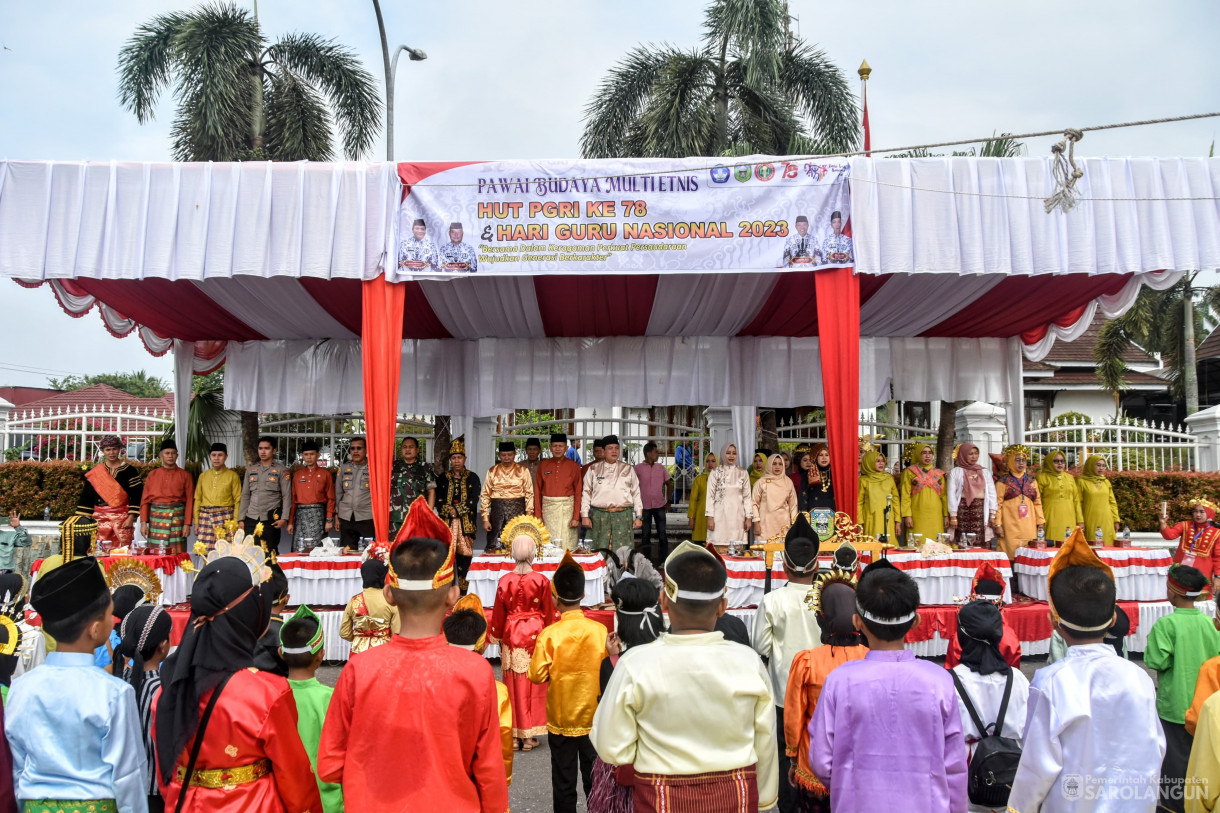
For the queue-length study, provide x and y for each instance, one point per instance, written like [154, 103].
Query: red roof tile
[1081, 350]
[101, 396]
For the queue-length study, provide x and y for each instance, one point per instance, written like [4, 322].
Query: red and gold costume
[368, 620]
[112, 497]
[523, 607]
[1010, 644]
[1197, 546]
[254, 768]
[441, 702]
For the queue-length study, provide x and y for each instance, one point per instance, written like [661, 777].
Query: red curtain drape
[381, 352]
[838, 303]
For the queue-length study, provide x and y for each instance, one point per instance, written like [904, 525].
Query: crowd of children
[825, 710]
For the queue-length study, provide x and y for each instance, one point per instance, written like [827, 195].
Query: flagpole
[864, 72]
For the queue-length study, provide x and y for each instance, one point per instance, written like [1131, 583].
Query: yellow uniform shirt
[569, 654]
[217, 489]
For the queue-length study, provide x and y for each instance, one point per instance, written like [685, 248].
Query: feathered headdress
[525, 525]
[251, 554]
[133, 571]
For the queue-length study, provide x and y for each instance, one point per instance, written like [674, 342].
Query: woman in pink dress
[523, 607]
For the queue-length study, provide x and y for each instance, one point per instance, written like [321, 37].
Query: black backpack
[994, 764]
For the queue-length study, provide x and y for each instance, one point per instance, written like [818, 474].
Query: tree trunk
[1190, 377]
[249, 437]
[769, 436]
[442, 437]
[946, 433]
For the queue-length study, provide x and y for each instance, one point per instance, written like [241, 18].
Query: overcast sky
[510, 80]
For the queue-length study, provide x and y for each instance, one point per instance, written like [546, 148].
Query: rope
[855, 153]
[1066, 173]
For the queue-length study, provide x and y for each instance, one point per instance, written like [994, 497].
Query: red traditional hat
[422, 522]
[987, 571]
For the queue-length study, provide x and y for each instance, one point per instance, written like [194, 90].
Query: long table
[322, 580]
[941, 579]
[1139, 573]
[175, 582]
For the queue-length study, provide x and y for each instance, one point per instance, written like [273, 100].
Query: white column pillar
[1205, 425]
[481, 454]
[1016, 390]
[983, 425]
[184, 374]
[6, 409]
[719, 427]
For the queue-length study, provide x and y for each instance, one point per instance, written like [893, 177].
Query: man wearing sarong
[112, 493]
[353, 498]
[167, 505]
[313, 498]
[266, 495]
[507, 492]
[217, 496]
[557, 493]
[611, 505]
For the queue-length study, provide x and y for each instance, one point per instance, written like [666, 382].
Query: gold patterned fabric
[70, 806]
[214, 778]
[569, 655]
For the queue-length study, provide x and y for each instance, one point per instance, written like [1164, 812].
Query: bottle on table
[1041, 543]
[1126, 536]
[1099, 538]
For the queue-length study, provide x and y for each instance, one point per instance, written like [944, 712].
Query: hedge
[1139, 494]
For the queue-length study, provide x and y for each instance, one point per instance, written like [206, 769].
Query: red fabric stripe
[1022, 304]
[838, 309]
[342, 300]
[175, 310]
[791, 309]
[412, 173]
[595, 305]
[381, 354]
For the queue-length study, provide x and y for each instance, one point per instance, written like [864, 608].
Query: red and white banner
[640, 216]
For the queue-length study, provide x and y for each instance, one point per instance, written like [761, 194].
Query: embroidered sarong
[309, 523]
[69, 806]
[110, 525]
[557, 515]
[971, 520]
[165, 521]
[211, 518]
[733, 791]
[501, 511]
[612, 529]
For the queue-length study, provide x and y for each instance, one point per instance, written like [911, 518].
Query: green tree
[749, 87]
[138, 383]
[206, 416]
[1170, 323]
[240, 97]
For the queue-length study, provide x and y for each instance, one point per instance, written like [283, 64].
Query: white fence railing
[1126, 444]
[333, 433]
[73, 434]
[890, 438]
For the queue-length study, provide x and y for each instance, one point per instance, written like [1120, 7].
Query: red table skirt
[1029, 620]
[167, 564]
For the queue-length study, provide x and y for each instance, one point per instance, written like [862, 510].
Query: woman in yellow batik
[925, 494]
[697, 510]
[1060, 497]
[1097, 501]
[876, 485]
[774, 501]
[1020, 514]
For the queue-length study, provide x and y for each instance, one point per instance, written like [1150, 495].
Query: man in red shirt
[557, 492]
[313, 498]
[167, 504]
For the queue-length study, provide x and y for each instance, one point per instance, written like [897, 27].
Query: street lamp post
[391, 66]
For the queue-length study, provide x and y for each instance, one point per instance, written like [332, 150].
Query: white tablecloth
[322, 580]
[175, 587]
[1139, 573]
[485, 573]
[941, 579]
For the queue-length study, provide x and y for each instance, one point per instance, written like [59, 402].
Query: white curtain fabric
[985, 216]
[707, 304]
[499, 307]
[114, 220]
[492, 376]
[277, 306]
[184, 373]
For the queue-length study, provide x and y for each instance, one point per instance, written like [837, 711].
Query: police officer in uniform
[456, 256]
[266, 495]
[837, 248]
[418, 253]
[800, 249]
[353, 499]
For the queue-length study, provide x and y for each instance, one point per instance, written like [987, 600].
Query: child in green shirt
[1178, 644]
[302, 646]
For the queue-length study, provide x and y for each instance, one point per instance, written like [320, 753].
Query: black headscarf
[979, 630]
[143, 629]
[1116, 634]
[835, 613]
[373, 573]
[126, 598]
[228, 615]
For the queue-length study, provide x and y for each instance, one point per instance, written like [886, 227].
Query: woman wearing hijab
[819, 491]
[638, 621]
[925, 498]
[730, 508]
[1019, 515]
[833, 604]
[247, 756]
[972, 499]
[983, 676]
[877, 492]
[1097, 501]
[143, 645]
[524, 605]
[696, 512]
[1060, 497]
[774, 501]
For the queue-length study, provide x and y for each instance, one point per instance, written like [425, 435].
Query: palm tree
[1170, 323]
[206, 416]
[744, 89]
[239, 97]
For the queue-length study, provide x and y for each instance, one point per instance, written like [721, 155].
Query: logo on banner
[720, 174]
[764, 172]
[743, 172]
[792, 172]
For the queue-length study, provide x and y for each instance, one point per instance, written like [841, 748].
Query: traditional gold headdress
[1017, 449]
[914, 449]
[1200, 503]
[526, 525]
[245, 548]
[458, 446]
[813, 599]
[133, 571]
[73, 528]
